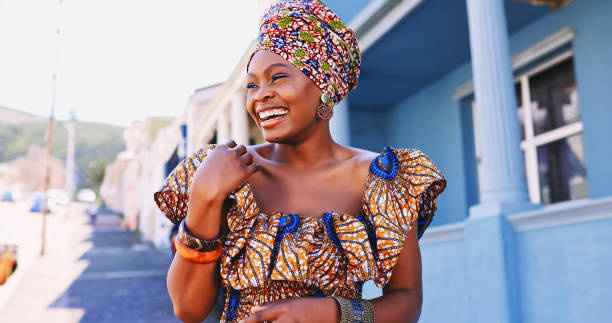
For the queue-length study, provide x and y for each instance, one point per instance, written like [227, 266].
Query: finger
[231, 143]
[251, 169]
[246, 159]
[241, 149]
[267, 314]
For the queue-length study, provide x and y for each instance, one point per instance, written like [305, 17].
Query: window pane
[521, 110]
[562, 171]
[554, 97]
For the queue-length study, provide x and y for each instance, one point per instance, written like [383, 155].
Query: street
[89, 273]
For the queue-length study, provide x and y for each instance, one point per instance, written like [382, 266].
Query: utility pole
[69, 180]
[50, 135]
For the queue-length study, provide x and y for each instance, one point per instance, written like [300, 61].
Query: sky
[119, 60]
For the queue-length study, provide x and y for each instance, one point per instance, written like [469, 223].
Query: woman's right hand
[223, 170]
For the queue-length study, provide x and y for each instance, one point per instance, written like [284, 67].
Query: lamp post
[50, 134]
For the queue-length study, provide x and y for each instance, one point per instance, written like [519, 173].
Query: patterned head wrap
[312, 37]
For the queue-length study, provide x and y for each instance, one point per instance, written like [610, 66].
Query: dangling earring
[325, 110]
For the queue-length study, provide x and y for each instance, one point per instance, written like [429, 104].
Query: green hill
[96, 144]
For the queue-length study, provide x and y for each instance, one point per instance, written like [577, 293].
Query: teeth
[264, 115]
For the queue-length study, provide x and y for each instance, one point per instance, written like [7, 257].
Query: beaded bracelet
[355, 310]
[195, 249]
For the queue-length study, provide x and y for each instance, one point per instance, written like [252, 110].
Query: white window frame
[530, 144]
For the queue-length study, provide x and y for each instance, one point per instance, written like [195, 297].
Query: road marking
[124, 274]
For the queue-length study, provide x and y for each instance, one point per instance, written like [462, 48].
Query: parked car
[86, 195]
[38, 202]
[7, 196]
[59, 197]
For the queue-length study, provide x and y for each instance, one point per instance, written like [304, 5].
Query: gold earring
[325, 110]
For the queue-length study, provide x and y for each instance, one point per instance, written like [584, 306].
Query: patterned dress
[267, 257]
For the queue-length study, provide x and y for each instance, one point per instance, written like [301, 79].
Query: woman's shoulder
[367, 158]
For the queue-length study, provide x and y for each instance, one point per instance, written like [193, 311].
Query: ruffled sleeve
[400, 196]
[172, 196]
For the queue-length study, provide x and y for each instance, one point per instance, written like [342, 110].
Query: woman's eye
[278, 76]
[250, 85]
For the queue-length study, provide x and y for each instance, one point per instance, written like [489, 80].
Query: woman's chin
[274, 137]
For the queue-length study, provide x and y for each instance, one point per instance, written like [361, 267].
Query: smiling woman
[291, 229]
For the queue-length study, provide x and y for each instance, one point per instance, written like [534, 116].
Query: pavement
[89, 273]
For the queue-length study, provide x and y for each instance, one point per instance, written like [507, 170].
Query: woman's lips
[273, 122]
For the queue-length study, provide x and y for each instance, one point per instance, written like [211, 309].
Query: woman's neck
[317, 149]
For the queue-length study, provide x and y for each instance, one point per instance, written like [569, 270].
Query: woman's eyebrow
[272, 65]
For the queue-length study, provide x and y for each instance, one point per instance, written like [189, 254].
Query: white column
[490, 240]
[503, 188]
[339, 125]
[240, 124]
[223, 131]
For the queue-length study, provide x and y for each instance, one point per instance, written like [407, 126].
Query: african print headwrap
[312, 37]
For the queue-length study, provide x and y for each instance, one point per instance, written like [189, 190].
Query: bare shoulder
[363, 157]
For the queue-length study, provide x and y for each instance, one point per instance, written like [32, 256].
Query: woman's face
[280, 98]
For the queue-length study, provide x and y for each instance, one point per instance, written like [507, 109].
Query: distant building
[26, 174]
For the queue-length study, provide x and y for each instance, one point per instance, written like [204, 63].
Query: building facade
[511, 100]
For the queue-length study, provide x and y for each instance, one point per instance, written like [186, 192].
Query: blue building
[512, 101]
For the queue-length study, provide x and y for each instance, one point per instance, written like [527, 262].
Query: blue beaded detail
[331, 230]
[287, 223]
[386, 165]
[292, 221]
[233, 301]
[359, 287]
[358, 311]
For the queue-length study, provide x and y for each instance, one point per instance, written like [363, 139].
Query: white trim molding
[442, 233]
[564, 213]
[378, 17]
[558, 39]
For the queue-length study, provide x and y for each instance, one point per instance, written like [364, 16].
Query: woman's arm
[194, 287]
[403, 296]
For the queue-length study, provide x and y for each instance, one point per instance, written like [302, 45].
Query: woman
[290, 230]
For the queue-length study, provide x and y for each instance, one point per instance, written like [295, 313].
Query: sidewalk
[92, 274]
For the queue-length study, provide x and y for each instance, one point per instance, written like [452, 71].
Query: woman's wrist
[204, 217]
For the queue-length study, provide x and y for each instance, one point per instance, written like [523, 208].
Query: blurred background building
[511, 100]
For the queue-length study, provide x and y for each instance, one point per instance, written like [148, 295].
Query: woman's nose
[263, 93]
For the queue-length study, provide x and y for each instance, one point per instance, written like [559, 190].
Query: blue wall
[431, 121]
[444, 282]
[565, 273]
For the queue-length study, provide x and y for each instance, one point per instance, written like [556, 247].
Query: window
[551, 132]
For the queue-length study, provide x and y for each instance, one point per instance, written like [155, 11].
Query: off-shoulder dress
[267, 257]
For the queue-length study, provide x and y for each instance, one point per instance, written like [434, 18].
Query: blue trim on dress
[331, 230]
[232, 306]
[386, 165]
[287, 223]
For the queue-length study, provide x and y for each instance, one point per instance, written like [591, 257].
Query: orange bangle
[197, 256]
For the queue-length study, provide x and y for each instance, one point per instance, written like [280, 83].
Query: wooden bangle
[200, 257]
[195, 243]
